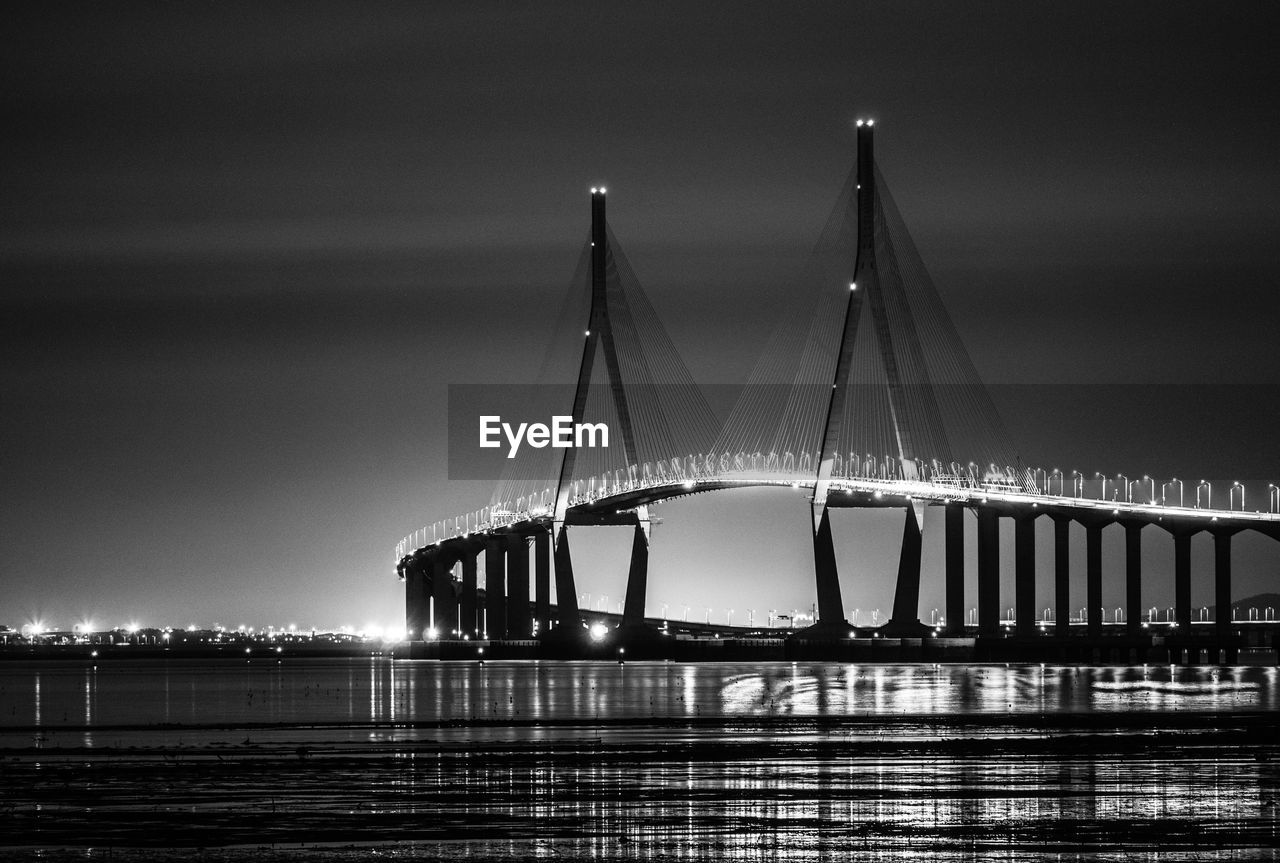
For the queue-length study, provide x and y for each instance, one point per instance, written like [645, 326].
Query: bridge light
[853, 286]
[603, 190]
[593, 190]
[588, 333]
[860, 122]
[871, 122]
[599, 631]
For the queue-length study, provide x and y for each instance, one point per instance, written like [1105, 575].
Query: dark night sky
[244, 248]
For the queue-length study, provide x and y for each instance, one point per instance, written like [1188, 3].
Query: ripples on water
[647, 760]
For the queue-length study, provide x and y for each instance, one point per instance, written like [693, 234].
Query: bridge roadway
[434, 600]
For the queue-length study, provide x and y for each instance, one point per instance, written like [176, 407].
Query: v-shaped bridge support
[867, 283]
[599, 336]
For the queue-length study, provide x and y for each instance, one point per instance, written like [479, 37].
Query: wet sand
[1187, 785]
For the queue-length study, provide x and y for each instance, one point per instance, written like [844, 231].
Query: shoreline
[1110, 652]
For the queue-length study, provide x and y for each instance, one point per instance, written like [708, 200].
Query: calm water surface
[68, 696]
[524, 760]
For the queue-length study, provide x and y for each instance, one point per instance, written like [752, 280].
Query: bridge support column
[542, 580]
[1133, 577]
[417, 598]
[1024, 560]
[1093, 579]
[988, 571]
[637, 579]
[1182, 582]
[468, 602]
[954, 557]
[1222, 594]
[519, 624]
[495, 587]
[567, 616]
[1061, 576]
[830, 606]
[906, 596]
[446, 601]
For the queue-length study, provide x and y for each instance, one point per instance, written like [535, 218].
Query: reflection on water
[55, 695]
[644, 761]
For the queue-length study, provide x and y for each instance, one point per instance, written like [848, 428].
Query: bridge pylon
[903, 341]
[599, 338]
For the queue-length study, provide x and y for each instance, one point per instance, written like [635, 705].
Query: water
[523, 760]
[77, 696]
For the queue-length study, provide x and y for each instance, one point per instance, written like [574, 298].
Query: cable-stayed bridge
[865, 396]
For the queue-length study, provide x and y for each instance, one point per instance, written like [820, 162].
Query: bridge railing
[885, 473]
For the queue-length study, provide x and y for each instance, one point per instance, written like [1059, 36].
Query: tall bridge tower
[600, 338]
[892, 341]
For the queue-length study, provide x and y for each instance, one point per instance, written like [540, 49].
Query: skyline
[228, 328]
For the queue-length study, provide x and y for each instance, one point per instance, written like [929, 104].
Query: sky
[245, 248]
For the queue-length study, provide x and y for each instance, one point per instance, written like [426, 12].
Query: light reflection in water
[930, 807]
[90, 674]
[400, 692]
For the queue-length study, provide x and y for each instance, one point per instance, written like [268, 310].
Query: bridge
[864, 397]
